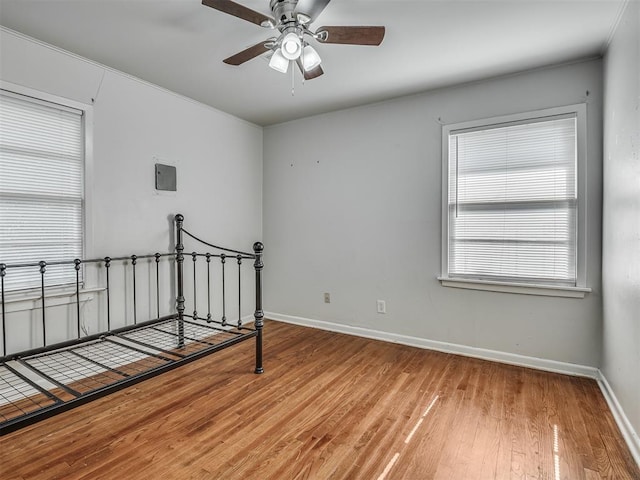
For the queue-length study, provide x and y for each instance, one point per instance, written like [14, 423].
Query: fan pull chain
[302, 62]
[293, 78]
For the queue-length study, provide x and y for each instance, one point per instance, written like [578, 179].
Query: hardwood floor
[331, 406]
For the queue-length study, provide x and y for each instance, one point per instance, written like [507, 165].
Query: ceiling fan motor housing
[283, 11]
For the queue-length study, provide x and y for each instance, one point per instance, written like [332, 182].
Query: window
[41, 187]
[512, 201]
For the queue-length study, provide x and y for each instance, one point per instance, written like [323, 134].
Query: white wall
[352, 206]
[621, 217]
[218, 157]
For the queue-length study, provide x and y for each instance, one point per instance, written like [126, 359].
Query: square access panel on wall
[165, 177]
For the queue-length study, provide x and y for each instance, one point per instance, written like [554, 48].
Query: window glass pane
[512, 202]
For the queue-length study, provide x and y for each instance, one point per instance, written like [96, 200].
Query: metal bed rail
[107, 263]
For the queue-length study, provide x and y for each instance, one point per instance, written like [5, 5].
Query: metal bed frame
[41, 382]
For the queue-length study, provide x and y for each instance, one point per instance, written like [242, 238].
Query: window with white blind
[41, 188]
[512, 200]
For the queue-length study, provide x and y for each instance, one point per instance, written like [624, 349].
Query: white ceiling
[180, 45]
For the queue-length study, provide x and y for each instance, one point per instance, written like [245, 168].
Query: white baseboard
[628, 432]
[475, 352]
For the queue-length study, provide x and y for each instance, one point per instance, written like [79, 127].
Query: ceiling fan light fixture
[310, 58]
[291, 46]
[279, 62]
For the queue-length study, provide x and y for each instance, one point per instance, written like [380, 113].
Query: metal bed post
[180, 268]
[259, 314]
[239, 257]
[224, 304]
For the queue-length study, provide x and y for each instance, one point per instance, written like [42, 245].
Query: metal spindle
[180, 271]
[77, 263]
[239, 257]
[223, 259]
[194, 256]
[3, 272]
[43, 268]
[134, 260]
[107, 264]
[259, 314]
[208, 287]
[157, 255]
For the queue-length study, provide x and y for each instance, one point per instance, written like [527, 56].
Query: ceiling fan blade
[351, 35]
[311, 8]
[311, 74]
[247, 54]
[240, 11]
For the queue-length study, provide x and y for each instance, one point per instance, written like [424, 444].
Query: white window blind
[41, 188]
[512, 202]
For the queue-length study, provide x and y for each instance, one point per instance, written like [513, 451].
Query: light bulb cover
[279, 62]
[291, 46]
[310, 58]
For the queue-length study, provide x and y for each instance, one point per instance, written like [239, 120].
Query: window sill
[521, 288]
[29, 300]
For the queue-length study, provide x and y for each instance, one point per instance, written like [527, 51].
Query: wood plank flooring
[331, 406]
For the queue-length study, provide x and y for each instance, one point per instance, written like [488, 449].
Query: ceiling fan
[292, 18]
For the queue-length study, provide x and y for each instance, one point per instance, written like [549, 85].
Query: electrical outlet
[327, 297]
[382, 306]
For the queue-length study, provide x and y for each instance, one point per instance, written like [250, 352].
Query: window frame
[578, 291]
[87, 210]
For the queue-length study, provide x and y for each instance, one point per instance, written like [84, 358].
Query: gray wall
[352, 206]
[621, 211]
